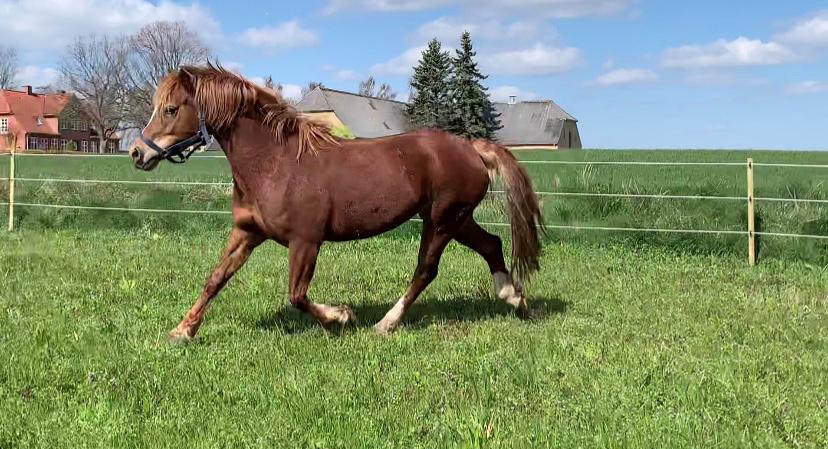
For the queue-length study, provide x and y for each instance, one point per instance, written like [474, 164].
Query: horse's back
[377, 184]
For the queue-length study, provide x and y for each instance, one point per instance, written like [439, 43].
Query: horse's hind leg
[239, 247]
[302, 265]
[491, 248]
[433, 242]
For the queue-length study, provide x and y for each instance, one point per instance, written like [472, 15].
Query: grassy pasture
[637, 341]
[627, 349]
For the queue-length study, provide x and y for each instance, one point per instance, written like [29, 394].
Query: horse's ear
[188, 80]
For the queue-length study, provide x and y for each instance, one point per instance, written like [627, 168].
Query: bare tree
[156, 50]
[310, 87]
[94, 68]
[366, 88]
[9, 65]
[385, 92]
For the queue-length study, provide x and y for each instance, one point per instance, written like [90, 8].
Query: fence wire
[495, 224]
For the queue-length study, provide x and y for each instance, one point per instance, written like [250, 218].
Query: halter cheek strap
[177, 153]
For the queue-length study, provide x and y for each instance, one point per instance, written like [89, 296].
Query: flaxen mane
[224, 97]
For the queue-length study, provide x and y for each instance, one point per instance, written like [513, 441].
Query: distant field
[613, 212]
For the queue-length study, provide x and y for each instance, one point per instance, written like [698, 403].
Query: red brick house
[46, 122]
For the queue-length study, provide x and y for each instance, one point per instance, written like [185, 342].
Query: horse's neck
[254, 153]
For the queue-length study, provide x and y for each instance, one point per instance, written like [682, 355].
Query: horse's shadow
[424, 313]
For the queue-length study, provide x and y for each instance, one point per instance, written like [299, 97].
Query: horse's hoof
[384, 330]
[337, 316]
[178, 337]
[344, 315]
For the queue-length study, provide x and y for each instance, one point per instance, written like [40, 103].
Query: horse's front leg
[239, 247]
[302, 265]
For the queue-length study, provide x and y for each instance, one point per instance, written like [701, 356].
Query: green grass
[613, 212]
[637, 340]
[628, 348]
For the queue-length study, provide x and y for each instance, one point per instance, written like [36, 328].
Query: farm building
[37, 121]
[363, 116]
[526, 124]
[536, 124]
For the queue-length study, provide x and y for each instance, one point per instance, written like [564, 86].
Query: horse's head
[176, 125]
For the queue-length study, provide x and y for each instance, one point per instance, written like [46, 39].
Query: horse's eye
[171, 110]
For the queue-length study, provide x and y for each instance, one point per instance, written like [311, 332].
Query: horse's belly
[358, 219]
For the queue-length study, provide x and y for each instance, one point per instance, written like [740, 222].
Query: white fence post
[11, 190]
[751, 215]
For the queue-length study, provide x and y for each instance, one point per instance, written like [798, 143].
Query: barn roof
[364, 116]
[28, 108]
[531, 122]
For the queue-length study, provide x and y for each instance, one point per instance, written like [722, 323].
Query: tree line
[448, 92]
[116, 76]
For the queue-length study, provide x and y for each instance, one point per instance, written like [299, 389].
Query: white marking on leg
[505, 290]
[336, 314]
[392, 319]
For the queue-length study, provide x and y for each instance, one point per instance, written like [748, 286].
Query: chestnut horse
[293, 182]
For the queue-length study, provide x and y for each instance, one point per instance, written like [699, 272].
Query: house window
[85, 146]
[93, 146]
[111, 146]
[63, 144]
[42, 143]
[4, 125]
[54, 144]
[31, 143]
[64, 124]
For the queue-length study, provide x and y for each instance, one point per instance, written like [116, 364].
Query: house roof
[364, 116]
[29, 108]
[531, 122]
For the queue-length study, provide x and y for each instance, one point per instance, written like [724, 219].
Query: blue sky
[636, 73]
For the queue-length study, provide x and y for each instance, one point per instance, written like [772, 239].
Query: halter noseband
[177, 153]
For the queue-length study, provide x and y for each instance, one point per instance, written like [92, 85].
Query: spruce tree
[473, 114]
[429, 103]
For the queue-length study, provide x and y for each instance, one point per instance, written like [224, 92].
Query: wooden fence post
[11, 190]
[751, 215]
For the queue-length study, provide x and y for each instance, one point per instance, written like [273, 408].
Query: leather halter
[177, 153]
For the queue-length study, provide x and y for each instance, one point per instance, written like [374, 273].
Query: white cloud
[292, 91]
[807, 87]
[707, 77]
[283, 36]
[544, 8]
[448, 29]
[51, 24]
[540, 59]
[620, 77]
[503, 93]
[812, 31]
[233, 66]
[723, 53]
[37, 76]
[402, 64]
[346, 75]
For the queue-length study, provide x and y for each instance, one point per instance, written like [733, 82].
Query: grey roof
[364, 116]
[531, 122]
